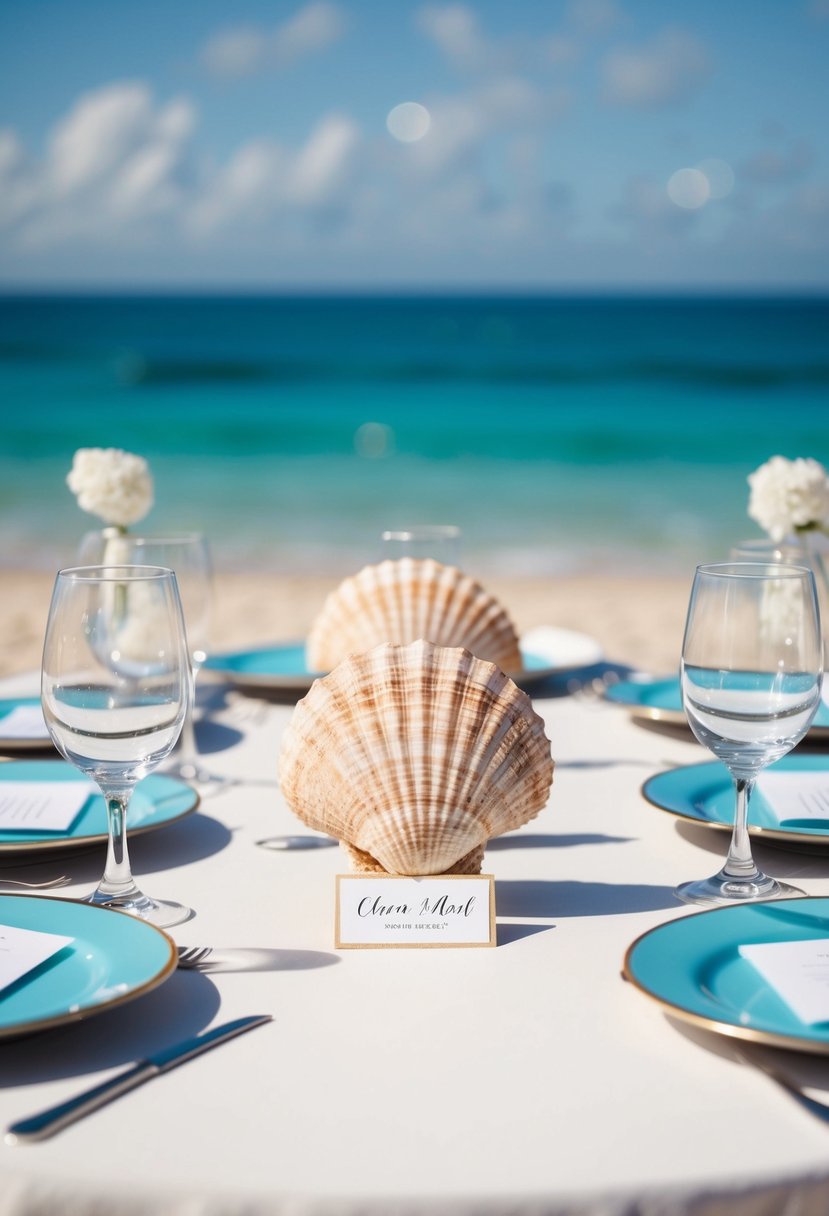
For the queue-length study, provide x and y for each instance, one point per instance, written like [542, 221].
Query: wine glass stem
[740, 863]
[117, 877]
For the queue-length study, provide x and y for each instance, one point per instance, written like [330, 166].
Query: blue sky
[568, 144]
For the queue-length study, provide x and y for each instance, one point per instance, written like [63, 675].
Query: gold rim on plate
[78, 1014]
[750, 1034]
[781, 835]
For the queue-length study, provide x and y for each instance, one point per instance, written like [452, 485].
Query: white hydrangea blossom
[115, 485]
[789, 495]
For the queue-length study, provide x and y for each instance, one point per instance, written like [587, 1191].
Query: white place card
[386, 910]
[24, 722]
[21, 950]
[42, 806]
[796, 795]
[798, 972]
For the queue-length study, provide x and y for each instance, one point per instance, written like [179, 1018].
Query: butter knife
[48, 1122]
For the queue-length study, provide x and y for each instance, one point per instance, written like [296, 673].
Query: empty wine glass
[750, 674]
[793, 551]
[439, 541]
[115, 690]
[188, 555]
[764, 549]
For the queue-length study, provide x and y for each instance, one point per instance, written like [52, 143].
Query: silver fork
[61, 881]
[190, 958]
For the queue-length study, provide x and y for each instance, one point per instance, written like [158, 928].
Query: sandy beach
[637, 621]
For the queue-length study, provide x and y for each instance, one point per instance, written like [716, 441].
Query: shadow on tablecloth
[514, 897]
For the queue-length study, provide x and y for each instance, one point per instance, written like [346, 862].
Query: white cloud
[235, 52]
[16, 179]
[101, 129]
[671, 68]
[462, 122]
[311, 29]
[455, 30]
[243, 50]
[321, 166]
[263, 179]
[114, 157]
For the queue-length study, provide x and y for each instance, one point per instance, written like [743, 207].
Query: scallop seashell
[414, 756]
[404, 600]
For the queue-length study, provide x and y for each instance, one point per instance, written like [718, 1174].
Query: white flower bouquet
[117, 486]
[789, 497]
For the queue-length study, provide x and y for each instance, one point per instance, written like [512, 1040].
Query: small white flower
[115, 485]
[789, 495]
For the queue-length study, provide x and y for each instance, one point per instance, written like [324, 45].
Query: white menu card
[21, 950]
[798, 972]
[42, 806]
[796, 795]
[24, 722]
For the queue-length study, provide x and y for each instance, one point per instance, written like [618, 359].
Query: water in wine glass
[115, 690]
[748, 719]
[750, 675]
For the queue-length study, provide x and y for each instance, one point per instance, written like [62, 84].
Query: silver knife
[48, 1122]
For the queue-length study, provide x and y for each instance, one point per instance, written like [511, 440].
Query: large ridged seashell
[414, 757]
[407, 599]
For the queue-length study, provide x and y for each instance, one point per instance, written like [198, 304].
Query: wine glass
[439, 541]
[751, 672]
[795, 551]
[764, 549]
[188, 555]
[115, 690]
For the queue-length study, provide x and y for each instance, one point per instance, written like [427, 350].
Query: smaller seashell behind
[414, 757]
[407, 599]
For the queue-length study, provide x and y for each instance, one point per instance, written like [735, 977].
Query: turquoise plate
[691, 966]
[28, 743]
[157, 800]
[545, 651]
[114, 958]
[661, 701]
[704, 793]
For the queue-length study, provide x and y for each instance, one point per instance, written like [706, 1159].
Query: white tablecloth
[529, 1078]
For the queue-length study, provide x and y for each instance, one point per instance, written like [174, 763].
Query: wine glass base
[725, 889]
[159, 912]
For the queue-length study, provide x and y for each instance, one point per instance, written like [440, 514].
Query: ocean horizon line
[428, 293]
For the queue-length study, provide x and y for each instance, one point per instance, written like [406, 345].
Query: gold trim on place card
[339, 944]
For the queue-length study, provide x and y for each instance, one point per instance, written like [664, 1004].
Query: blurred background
[555, 272]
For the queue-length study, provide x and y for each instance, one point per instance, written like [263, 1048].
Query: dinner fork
[190, 958]
[62, 880]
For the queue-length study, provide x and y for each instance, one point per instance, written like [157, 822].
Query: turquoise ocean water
[560, 434]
